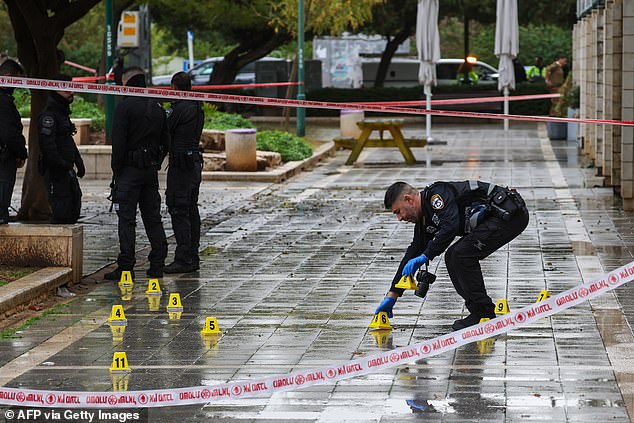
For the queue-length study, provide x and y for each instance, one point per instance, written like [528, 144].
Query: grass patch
[13, 273]
[55, 310]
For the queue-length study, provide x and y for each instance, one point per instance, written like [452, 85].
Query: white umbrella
[506, 48]
[428, 43]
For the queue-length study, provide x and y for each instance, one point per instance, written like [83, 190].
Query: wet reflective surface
[297, 270]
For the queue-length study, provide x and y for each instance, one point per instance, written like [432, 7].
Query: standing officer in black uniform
[13, 152]
[484, 215]
[59, 156]
[140, 142]
[185, 122]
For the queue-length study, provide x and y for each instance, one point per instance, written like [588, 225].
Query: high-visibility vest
[534, 71]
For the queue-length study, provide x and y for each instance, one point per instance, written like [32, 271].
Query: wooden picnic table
[393, 126]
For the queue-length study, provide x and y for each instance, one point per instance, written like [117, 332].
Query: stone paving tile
[299, 268]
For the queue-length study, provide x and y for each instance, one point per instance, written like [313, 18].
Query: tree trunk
[34, 204]
[226, 70]
[388, 54]
[37, 34]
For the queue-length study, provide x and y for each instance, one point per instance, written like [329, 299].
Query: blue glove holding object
[386, 306]
[412, 266]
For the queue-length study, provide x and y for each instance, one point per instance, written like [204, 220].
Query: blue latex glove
[386, 306]
[412, 266]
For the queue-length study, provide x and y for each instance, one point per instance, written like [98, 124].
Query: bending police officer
[140, 142]
[13, 152]
[59, 156]
[185, 122]
[484, 215]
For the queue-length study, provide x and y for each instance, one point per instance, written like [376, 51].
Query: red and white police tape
[322, 375]
[165, 93]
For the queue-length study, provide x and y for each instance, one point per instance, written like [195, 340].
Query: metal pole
[301, 112]
[109, 63]
[190, 49]
[506, 108]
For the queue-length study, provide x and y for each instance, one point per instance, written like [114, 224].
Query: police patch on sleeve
[437, 202]
[48, 122]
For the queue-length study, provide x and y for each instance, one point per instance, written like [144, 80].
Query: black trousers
[139, 188]
[183, 187]
[64, 195]
[7, 182]
[463, 257]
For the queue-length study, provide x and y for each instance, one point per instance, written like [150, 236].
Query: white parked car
[403, 72]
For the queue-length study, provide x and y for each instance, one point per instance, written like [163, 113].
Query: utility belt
[505, 203]
[142, 158]
[185, 159]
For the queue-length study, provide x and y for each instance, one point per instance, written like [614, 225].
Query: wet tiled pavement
[296, 270]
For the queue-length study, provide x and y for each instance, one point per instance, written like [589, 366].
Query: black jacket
[185, 122]
[57, 146]
[446, 209]
[139, 123]
[11, 125]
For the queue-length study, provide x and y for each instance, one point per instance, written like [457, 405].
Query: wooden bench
[393, 126]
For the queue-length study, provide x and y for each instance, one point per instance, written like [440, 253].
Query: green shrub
[83, 109]
[222, 121]
[291, 147]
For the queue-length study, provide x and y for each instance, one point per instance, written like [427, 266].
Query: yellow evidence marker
[174, 304]
[502, 307]
[117, 316]
[406, 282]
[153, 287]
[175, 315]
[211, 327]
[380, 321]
[126, 279]
[543, 294]
[119, 363]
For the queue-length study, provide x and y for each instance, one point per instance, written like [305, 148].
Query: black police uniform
[139, 143]
[12, 148]
[452, 209]
[185, 122]
[58, 157]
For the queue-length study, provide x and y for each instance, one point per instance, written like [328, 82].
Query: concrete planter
[82, 137]
[556, 130]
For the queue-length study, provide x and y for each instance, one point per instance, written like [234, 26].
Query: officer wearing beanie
[484, 215]
[140, 141]
[13, 152]
[185, 121]
[59, 155]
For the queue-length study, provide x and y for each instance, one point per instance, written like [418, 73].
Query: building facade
[603, 68]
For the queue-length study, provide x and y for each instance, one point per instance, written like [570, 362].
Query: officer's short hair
[182, 81]
[11, 67]
[130, 72]
[396, 191]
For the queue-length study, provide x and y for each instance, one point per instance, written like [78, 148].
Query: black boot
[481, 312]
[115, 275]
[178, 267]
[154, 272]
